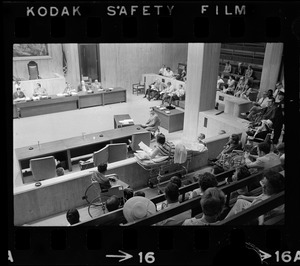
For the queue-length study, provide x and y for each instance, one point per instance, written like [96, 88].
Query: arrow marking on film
[264, 255]
[126, 256]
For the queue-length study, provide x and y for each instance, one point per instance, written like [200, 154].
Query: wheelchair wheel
[91, 193]
[96, 208]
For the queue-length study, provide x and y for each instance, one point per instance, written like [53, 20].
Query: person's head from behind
[168, 69]
[234, 139]
[112, 203]
[201, 137]
[270, 93]
[60, 171]
[72, 216]
[272, 182]
[263, 148]
[102, 168]
[176, 180]
[171, 192]
[139, 193]
[128, 193]
[137, 208]
[207, 180]
[281, 96]
[160, 139]
[212, 202]
[241, 173]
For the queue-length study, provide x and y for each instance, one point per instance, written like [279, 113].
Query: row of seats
[116, 217]
[45, 167]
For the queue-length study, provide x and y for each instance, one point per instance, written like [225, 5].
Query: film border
[46, 244]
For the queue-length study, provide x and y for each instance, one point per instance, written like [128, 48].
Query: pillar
[271, 67]
[202, 73]
[72, 56]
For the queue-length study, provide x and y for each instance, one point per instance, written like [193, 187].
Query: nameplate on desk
[126, 121]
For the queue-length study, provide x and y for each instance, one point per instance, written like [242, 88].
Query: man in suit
[18, 94]
[40, 91]
[152, 123]
[83, 86]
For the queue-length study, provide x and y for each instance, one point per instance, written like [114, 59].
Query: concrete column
[271, 67]
[202, 73]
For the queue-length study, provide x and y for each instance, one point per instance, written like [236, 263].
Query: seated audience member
[232, 144]
[227, 68]
[212, 203]
[278, 87]
[73, 216]
[246, 94]
[249, 72]
[163, 148]
[269, 111]
[18, 94]
[112, 203]
[220, 82]
[280, 152]
[239, 174]
[153, 90]
[261, 131]
[240, 69]
[128, 193]
[172, 195]
[177, 94]
[176, 179]
[259, 105]
[168, 73]
[152, 123]
[39, 91]
[278, 119]
[139, 193]
[60, 171]
[231, 86]
[96, 85]
[69, 90]
[205, 180]
[272, 183]
[240, 87]
[162, 70]
[83, 86]
[182, 75]
[137, 208]
[265, 159]
[105, 181]
[167, 92]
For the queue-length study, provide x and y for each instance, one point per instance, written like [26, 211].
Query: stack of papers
[144, 147]
[126, 121]
[162, 108]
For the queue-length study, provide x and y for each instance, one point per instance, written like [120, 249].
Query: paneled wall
[46, 66]
[123, 64]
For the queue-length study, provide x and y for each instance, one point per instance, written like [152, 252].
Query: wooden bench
[116, 217]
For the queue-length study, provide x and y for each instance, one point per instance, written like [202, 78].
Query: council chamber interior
[82, 105]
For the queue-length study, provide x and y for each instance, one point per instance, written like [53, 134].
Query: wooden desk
[86, 99]
[172, 121]
[97, 98]
[47, 106]
[66, 149]
[118, 118]
[117, 95]
[233, 105]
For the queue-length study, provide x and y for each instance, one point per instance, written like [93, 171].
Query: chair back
[180, 154]
[100, 156]
[33, 70]
[117, 152]
[43, 168]
[138, 137]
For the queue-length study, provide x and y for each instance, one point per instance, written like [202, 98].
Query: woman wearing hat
[137, 208]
